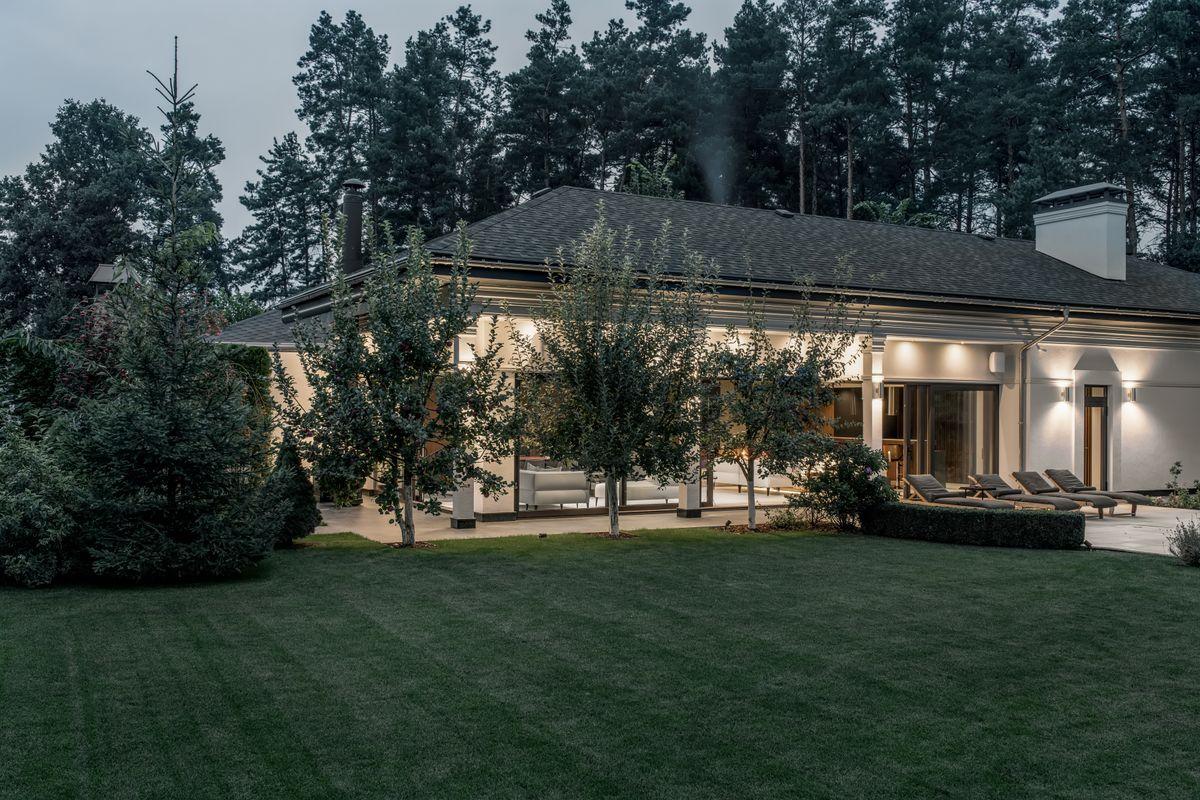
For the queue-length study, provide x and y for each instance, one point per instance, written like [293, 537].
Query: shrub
[1184, 542]
[848, 481]
[787, 518]
[995, 528]
[290, 491]
[1181, 496]
[38, 538]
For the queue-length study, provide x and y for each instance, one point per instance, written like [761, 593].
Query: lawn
[680, 664]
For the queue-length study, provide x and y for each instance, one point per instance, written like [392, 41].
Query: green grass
[678, 664]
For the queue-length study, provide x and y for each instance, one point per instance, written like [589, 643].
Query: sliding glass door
[950, 431]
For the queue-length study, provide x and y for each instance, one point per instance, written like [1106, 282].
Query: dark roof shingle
[780, 249]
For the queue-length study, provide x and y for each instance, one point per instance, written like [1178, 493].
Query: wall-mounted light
[1064, 394]
[876, 390]
[1131, 394]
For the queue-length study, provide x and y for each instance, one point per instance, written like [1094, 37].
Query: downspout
[1022, 414]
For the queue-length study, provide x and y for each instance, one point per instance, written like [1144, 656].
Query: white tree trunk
[610, 497]
[750, 509]
[408, 530]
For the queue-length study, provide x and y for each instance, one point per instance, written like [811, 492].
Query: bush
[848, 481]
[1184, 542]
[290, 491]
[995, 528]
[1181, 496]
[787, 518]
[38, 538]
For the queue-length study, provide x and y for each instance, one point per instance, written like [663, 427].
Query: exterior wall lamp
[1131, 394]
[1064, 394]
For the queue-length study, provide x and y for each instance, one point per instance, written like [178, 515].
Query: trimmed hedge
[987, 527]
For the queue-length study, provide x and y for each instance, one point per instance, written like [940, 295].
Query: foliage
[289, 490]
[787, 518]
[388, 394]
[843, 485]
[39, 538]
[762, 378]
[610, 378]
[1179, 495]
[973, 526]
[75, 208]
[278, 254]
[652, 181]
[901, 213]
[168, 454]
[1184, 542]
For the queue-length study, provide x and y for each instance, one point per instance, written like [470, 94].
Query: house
[985, 354]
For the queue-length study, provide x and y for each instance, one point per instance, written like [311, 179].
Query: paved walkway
[1145, 533]
[365, 520]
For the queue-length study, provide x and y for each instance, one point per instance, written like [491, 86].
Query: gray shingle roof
[780, 249]
[265, 329]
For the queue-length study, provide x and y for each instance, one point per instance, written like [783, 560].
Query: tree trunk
[849, 171]
[610, 497]
[1123, 114]
[408, 530]
[800, 172]
[751, 514]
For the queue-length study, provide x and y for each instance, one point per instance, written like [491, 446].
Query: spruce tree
[171, 455]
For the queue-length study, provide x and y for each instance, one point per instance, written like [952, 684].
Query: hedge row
[993, 528]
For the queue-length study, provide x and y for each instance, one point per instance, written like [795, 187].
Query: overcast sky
[243, 55]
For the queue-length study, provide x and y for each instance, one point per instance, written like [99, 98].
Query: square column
[462, 514]
[872, 389]
[689, 497]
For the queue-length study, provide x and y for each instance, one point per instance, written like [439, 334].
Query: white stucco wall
[1146, 436]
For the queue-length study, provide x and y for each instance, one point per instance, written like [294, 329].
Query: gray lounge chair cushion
[1036, 484]
[971, 502]
[931, 490]
[997, 487]
[1069, 482]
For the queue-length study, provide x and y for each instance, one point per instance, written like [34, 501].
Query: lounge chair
[997, 488]
[1034, 483]
[930, 490]
[1068, 482]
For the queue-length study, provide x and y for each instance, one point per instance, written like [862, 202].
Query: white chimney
[1084, 227]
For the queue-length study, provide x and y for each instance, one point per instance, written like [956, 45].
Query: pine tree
[171, 455]
[1101, 58]
[545, 123]
[290, 491]
[341, 88]
[754, 106]
[854, 90]
[278, 254]
[77, 207]
[803, 21]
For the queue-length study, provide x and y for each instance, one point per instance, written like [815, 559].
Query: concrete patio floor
[1145, 533]
[365, 520]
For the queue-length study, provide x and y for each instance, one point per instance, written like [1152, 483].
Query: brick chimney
[1084, 227]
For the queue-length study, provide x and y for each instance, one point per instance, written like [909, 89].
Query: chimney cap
[1089, 193]
[354, 185]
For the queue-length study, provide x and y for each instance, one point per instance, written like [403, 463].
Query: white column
[689, 496]
[872, 388]
[462, 514]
